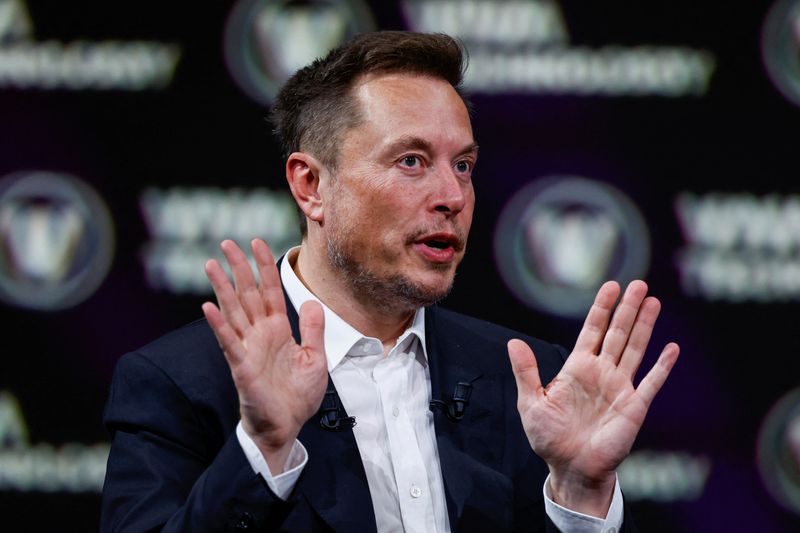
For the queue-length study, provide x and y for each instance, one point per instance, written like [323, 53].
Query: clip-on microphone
[332, 418]
[455, 408]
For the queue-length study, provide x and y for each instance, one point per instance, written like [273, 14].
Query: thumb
[526, 371]
[312, 327]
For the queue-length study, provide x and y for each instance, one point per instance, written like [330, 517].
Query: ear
[303, 174]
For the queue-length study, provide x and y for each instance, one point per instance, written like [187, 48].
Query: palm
[280, 383]
[290, 384]
[585, 421]
[594, 437]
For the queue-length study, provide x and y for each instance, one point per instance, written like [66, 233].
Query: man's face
[399, 209]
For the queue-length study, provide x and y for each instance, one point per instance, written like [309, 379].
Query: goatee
[392, 294]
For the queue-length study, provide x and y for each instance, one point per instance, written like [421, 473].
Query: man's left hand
[584, 422]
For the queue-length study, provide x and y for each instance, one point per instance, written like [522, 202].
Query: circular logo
[560, 238]
[779, 451]
[56, 240]
[266, 41]
[780, 42]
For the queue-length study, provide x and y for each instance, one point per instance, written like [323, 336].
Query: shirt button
[415, 492]
[395, 411]
[612, 530]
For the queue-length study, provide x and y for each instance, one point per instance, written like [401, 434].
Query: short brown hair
[315, 107]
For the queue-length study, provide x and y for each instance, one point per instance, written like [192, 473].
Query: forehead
[395, 105]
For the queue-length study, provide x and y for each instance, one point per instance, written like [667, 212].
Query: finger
[619, 331]
[229, 303]
[640, 336]
[227, 338]
[654, 379]
[594, 328]
[312, 327]
[526, 370]
[270, 281]
[243, 279]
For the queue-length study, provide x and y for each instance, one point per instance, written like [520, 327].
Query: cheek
[388, 205]
[469, 209]
[375, 222]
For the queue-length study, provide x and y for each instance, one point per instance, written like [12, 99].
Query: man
[375, 409]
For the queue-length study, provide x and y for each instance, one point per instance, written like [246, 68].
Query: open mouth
[440, 241]
[438, 247]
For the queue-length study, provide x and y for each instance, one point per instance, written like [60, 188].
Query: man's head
[380, 162]
[316, 106]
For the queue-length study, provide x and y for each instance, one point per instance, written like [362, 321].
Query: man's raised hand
[584, 422]
[280, 383]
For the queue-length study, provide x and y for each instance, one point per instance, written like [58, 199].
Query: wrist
[275, 448]
[275, 456]
[582, 494]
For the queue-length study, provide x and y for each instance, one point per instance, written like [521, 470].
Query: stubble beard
[387, 294]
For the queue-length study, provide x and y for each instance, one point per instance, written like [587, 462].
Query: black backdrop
[732, 144]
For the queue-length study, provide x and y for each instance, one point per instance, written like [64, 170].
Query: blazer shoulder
[190, 347]
[190, 358]
[475, 331]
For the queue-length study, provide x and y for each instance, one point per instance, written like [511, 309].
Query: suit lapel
[333, 481]
[470, 450]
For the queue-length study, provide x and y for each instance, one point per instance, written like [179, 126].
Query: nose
[451, 193]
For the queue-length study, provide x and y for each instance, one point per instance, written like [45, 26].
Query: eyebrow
[471, 148]
[410, 142]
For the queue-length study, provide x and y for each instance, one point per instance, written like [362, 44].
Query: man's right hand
[280, 383]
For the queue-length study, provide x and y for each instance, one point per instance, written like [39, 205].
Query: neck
[317, 274]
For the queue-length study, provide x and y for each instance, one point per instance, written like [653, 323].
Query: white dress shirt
[389, 397]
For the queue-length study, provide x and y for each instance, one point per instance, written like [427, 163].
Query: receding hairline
[352, 94]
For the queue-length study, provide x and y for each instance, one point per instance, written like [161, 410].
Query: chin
[436, 287]
[437, 275]
[401, 288]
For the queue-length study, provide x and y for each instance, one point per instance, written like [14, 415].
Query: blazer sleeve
[163, 474]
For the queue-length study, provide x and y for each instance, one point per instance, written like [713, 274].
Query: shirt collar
[339, 336]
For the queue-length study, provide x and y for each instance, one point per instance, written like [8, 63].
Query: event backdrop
[618, 140]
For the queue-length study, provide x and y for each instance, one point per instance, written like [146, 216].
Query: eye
[411, 161]
[463, 166]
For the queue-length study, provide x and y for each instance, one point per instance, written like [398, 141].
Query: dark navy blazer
[176, 463]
